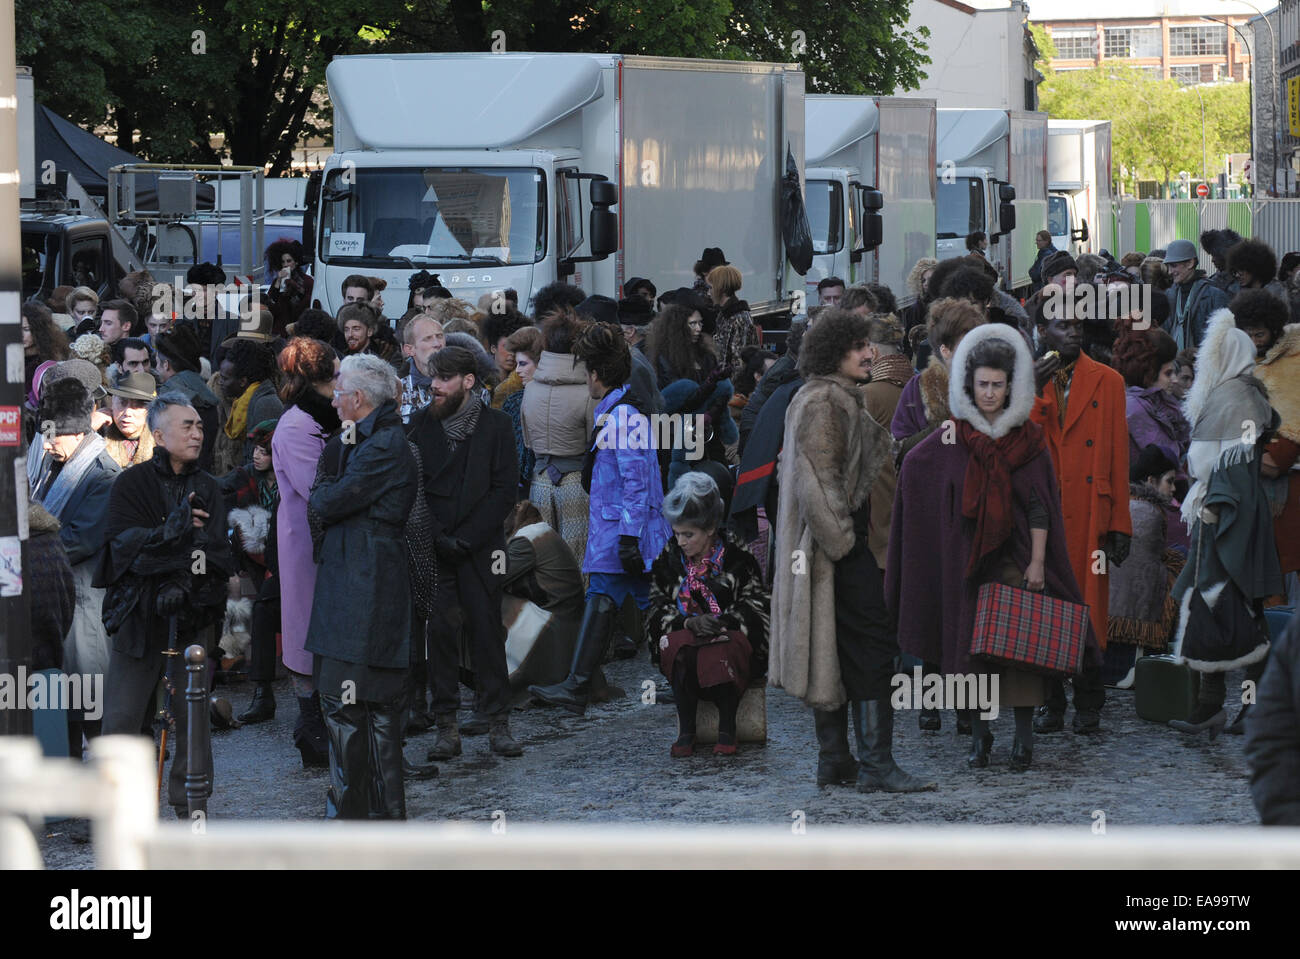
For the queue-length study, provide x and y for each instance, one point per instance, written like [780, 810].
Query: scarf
[460, 424]
[237, 425]
[319, 409]
[893, 368]
[693, 588]
[986, 489]
[40, 465]
[1061, 380]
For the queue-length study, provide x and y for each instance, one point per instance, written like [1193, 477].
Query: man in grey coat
[1192, 298]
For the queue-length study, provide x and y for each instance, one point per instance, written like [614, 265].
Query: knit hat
[181, 347]
[68, 405]
[83, 371]
[1058, 263]
[260, 435]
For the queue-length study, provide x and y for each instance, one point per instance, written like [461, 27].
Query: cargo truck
[856, 145]
[1080, 214]
[514, 171]
[992, 177]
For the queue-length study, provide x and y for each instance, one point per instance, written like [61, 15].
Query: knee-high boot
[348, 728]
[873, 720]
[835, 763]
[389, 794]
[593, 639]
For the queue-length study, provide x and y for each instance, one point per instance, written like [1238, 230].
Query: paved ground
[612, 765]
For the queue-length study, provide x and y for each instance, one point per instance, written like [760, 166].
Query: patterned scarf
[460, 424]
[892, 368]
[237, 425]
[986, 490]
[54, 495]
[693, 586]
[1061, 380]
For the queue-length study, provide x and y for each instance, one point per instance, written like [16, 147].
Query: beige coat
[833, 452]
[557, 411]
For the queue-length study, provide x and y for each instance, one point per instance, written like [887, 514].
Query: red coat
[1090, 455]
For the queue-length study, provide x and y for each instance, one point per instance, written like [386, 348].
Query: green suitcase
[1165, 689]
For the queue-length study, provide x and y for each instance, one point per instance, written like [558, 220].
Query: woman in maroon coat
[978, 502]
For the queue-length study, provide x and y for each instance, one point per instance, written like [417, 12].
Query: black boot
[873, 720]
[309, 733]
[499, 739]
[835, 764]
[963, 722]
[1206, 716]
[1238, 724]
[349, 764]
[387, 765]
[593, 639]
[1048, 720]
[261, 708]
[447, 744]
[929, 720]
[981, 744]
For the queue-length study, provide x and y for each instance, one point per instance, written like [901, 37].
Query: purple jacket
[626, 488]
[909, 415]
[1155, 419]
[295, 448]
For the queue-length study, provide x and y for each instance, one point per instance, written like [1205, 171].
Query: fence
[1145, 225]
[117, 791]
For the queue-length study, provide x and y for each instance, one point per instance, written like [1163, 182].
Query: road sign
[1202, 190]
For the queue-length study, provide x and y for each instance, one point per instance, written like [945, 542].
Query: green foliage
[135, 65]
[1046, 48]
[1155, 124]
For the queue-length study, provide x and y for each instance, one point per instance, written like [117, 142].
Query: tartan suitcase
[1165, 689]
[1029, 630]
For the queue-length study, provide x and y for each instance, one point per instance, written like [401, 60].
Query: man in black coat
[167, 561]
[467, 452]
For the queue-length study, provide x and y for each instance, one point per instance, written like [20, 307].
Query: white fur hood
[1022, 381]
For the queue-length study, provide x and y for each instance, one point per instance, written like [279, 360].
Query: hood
[1022, 381]
[560, 369]
[1224, 353]
[40, 520]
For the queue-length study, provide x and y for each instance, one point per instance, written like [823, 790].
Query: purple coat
[295, 449]
[930, 544]
[909, 415]
[1155, 419]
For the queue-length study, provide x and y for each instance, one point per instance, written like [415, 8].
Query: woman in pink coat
[308, 421]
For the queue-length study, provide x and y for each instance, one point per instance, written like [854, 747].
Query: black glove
[705, 627]
[1116, 546]
[170, 601]
[629, 554]
[450, 549]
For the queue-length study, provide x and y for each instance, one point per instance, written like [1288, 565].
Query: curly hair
[1088, 265]
[51, 342]
[1138, 355]
[825, 345]
[950, 319]
[967, 283]
[885, 330]
[90, 347]
[251, 360]
[1131, 259]
[497, 325]
[1253, 257]
[449, 308]
[604, 350]
[306, 360]
[526, 339]
[670, 340]
[315, 323]
[886, 302]
[918, 271]
[560, 329]
[1259, 309]
[556, 295]
[279, 248]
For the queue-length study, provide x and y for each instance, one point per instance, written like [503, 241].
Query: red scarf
[986, 493]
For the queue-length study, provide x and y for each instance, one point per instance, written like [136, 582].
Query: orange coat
[1090, 455]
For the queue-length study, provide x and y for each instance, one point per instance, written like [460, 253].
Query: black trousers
[365, 758]
[1089, 692]
[261, 654]
[129, 698]
[864, 630]
[462, 604]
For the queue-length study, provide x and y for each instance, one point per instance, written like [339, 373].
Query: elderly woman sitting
[708, 612]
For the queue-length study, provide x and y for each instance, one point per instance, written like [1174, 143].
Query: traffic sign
[1202, 190]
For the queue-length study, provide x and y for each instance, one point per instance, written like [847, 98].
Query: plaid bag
[1029, 630]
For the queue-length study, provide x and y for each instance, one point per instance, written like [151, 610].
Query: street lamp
[1250, 83]
[1205, 176]
[1277, 135]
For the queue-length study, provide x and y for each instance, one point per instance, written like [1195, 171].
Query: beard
[445, 406]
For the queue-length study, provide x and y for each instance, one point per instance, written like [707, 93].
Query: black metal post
[198, 735]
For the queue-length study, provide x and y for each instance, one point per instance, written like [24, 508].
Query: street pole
[1204, 164]
[1275, 53]
[15, 631]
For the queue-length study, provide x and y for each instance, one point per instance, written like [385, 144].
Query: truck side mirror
[603, 223]
[1006, 218]
[1006, 192]
[872, 233]
[1081, 234]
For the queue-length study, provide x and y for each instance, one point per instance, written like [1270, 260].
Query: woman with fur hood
[1233, 564]
[832, 641]
[985, 508]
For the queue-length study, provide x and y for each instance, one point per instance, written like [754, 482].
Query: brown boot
[448, 743]
[499, 738]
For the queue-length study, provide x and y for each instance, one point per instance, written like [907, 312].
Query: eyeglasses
[340, 393]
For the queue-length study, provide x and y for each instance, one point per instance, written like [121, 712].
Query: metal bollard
[198, 777]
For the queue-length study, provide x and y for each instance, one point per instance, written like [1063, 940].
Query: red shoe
[683, 748]
[724, 749]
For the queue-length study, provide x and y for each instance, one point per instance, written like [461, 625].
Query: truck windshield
[39, 252]
[1058, 216]
[826, 215]
[434, 215]
[958, 208]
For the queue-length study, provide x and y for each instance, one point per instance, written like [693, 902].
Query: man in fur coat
[832, 636]
[1081, 407]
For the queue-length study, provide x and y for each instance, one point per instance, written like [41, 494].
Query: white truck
[472, 166]
[855, 145]
[992, 173]
[1080, 214]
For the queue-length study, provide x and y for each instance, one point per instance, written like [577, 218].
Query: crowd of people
[420, 517]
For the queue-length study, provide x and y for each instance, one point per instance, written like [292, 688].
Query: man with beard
[166, 563]
[467, 451]
[126, 439]
[1081, 406]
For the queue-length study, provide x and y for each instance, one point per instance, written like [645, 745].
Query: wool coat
[53, 590]
[922, 407]
[1090, 456]
[833, 452]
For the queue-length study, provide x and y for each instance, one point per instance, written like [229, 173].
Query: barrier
[1145, 225]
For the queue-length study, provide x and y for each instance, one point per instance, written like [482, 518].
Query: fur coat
[1139, 588]
[1279, 371]
[833, 452]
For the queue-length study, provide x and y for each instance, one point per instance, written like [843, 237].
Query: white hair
[371, 375]
[693, 501]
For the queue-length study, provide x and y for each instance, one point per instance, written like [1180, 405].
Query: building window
[1188, 74]
[1129, 42]
[1076, 44]
[1198, 41]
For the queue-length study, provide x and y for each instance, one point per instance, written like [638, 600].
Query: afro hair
[1259, 309]
[836, 332]
[1253, 257]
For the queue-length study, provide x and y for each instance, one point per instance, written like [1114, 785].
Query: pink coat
[295, 449]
